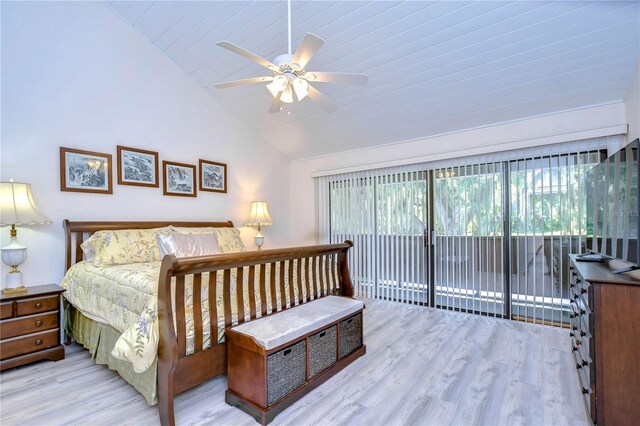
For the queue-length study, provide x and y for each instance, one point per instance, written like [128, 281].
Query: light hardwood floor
[423, 367]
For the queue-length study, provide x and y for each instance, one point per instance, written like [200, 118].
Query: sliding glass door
[490, 238]
[548, 221]
[468, 238]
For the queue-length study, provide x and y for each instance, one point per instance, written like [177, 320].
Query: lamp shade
[17, 206]
[259, 215]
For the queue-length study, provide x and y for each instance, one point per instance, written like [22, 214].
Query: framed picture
[85, 171]
[137, 167]
[179, 179]
[213, 176]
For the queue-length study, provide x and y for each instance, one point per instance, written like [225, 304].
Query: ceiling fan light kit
[289, 74]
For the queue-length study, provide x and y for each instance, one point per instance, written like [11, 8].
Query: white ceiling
[433, 67]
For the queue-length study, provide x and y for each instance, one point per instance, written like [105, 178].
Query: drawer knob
[38, 323]
[39, 342]
[38, 305]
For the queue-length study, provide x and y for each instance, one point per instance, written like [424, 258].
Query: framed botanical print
[213, 176]
[137, 167]
[179, 179]
[85, 171]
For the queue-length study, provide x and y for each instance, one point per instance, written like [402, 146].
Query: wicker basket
[322, 350]
[350, 335]
[286, 371]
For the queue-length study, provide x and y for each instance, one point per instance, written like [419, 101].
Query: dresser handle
[38, 305]
[39, 342]
[38, 323]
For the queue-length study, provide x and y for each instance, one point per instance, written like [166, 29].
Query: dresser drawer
[30, 324]
[28, 344]
[36, 305]
[6, 310]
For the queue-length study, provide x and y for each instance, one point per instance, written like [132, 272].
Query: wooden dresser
[30, 326]
[605, 338]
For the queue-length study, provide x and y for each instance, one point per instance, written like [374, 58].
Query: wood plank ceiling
[433, 66]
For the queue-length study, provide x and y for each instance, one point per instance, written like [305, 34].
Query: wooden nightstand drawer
[30, 343]
[31, 324]
[36, 305]
[6, 310]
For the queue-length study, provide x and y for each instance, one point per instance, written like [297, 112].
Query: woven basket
[350, 335]
[286, 371]
[322, 350]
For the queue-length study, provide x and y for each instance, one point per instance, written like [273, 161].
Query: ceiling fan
[290, 79]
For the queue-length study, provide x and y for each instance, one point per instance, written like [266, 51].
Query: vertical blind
[487, 235]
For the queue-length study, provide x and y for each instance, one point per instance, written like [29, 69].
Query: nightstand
[30, 326]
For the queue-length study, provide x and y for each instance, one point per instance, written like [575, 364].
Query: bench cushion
[283, 327]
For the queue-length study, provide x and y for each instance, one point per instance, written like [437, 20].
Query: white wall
[75, 75]
[553, 128]
[632, 103]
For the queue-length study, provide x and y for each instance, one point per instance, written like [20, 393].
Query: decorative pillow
[123, 246]
[187, 245]
[229, 240]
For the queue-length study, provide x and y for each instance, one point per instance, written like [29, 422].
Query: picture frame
[213, 176]
[137, 167]
[179, 179]
[85, 171]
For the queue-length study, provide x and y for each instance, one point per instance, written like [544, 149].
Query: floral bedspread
[125, 297]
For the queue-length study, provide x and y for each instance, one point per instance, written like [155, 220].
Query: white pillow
[187, 245]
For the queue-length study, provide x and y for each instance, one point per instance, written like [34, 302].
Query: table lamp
[259, 216]
[17, 207]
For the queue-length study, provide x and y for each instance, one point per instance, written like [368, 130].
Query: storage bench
[275, 360]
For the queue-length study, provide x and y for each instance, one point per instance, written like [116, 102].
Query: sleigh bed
[190, 324]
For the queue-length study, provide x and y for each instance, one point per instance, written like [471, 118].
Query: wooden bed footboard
[303, 274]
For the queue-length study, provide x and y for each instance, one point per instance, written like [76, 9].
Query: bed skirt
[100, 339]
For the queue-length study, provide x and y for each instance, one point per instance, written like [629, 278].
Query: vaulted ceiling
[433, 66]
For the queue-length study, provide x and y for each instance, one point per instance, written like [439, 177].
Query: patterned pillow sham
[123, 246]
[229, 240]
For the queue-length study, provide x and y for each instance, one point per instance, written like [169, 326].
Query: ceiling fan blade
[251, 56]
[275, 105]
[337, 77]
[307, 49]
[253, 80]
[324, 102]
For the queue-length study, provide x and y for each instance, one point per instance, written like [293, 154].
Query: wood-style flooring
[423, 367]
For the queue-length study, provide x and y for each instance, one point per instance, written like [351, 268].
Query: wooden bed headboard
[75, 232]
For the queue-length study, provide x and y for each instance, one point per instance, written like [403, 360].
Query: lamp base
[259, 240]
[12, 291]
